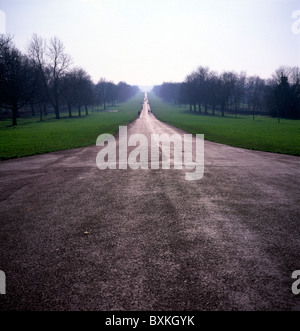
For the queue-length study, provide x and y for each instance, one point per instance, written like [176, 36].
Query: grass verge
[32, 137]
[263, 133]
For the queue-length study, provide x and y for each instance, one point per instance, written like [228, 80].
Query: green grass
[263, 133]
[32, 137]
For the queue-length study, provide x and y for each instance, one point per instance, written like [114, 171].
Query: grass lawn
[33, 137]
[263, 133]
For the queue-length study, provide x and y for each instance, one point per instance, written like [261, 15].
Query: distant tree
[295, 96]
[203, 88]
[255, 93]
[122, 91]
[69, 90]
[169, 92]
[125, 91]
[88, 95]
[183, 94]
[111, 93]
[283, 97]
[214, 88]
[227, 80]
[283, 93]
[191, 82]
[202, 75]
[239, 91]
[102, 93]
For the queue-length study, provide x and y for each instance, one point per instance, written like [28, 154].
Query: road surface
[74, 237]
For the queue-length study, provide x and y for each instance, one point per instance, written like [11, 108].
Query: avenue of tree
[43, 79]
[205, 90]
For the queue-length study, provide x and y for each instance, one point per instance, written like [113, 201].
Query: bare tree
[36, 51]
[83, 89]
[59, 62]
[239, 91]
[202, 75]
[213, 93]
[53, 63]
[228, 80]
[192, 91]
[102, 92]
[255, 91]
[69, 90]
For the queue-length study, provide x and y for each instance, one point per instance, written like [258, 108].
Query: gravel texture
[74, 237]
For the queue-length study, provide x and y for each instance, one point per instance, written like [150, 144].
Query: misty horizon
[150, 42]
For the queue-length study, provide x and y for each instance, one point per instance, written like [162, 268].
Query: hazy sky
[146, 42]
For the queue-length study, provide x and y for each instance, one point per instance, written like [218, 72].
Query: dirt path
[155, 241]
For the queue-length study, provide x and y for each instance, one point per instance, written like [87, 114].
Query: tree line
[43, 79]
[205, 90]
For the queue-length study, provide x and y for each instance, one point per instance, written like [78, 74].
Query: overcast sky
[147, 42]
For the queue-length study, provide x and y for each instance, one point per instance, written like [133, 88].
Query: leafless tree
[255, 92]
[36, 51]
[202, 75]
[228, 80]
[53, 63]
[59, 62]
[239, 91]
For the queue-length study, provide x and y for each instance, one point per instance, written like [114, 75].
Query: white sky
[147, 42]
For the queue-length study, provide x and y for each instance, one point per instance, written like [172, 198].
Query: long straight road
[74, 237]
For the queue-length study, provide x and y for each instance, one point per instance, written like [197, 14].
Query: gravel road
[74, 237]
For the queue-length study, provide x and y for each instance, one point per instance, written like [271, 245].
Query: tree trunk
[41, 112]
[45, 110]
[86, 110]
[79, 110]
[57, 112]
[56, 103]
[32, 110]
[199, 107]
[14, 114]
[70, 109]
